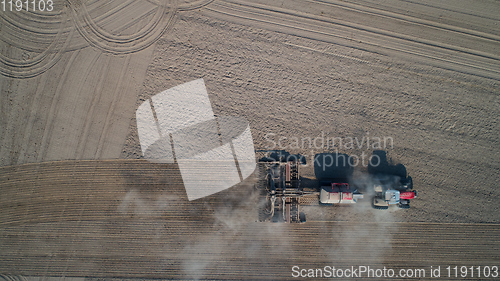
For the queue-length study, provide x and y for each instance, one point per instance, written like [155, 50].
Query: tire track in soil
[361, 27]
[42, 62]
[316, 28]
[121, 44]
[116, 44]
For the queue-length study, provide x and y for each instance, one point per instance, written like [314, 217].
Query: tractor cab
[392, 197]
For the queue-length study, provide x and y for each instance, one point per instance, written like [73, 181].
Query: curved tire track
[33, 38]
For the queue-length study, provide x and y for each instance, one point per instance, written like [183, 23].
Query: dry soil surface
[78, 201]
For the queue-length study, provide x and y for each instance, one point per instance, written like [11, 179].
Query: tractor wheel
[404, 206]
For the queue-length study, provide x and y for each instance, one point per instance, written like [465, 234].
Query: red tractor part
[407, 195]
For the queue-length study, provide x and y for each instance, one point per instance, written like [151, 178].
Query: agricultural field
[417, 79]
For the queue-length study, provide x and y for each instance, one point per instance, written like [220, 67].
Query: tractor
[392, 184]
